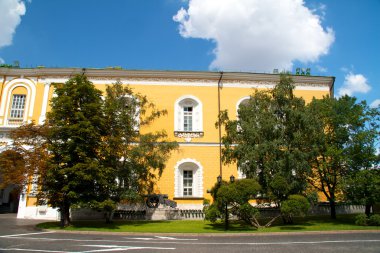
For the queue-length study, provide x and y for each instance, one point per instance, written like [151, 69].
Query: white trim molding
[197, 168]
[240, 101]
[44, 103]
[197, 113]
[30, 97]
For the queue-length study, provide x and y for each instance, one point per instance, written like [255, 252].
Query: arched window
[188, 114]
[188, 179]
[17, 101]
[242, 101]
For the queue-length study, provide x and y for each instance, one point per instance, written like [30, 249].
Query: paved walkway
[9, 224]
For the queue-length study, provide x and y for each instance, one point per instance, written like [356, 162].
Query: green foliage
[361, 219]
[344, 137]
[374, 220]
[270, 140]
[75, 174]
[363, 187]
[295, 205]
[212, 213]
[97, 156]
[232, 198]
[136, 159]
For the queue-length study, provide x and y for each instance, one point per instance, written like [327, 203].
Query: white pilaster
[22, 204]
[44, 103]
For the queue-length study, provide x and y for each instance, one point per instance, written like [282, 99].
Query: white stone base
[39, 213]
[190, 206]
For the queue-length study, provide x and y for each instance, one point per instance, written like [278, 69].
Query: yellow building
[192, 100]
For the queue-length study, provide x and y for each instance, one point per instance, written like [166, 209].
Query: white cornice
[161, 76]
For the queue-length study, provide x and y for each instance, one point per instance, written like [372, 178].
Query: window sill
[188, 134]
[188, 198]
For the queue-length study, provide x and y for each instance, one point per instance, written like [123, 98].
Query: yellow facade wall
[204, 150]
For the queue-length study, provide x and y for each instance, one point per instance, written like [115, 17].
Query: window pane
[188, 118]
[187, 183]
[18, 106]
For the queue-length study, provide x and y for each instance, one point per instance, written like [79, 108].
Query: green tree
[344, 134]
[295, 205]
[363, 188]
[232, 198]
[136, 158]
[269, 140]
[75, 174]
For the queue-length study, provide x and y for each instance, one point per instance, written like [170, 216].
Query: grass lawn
[310, 223]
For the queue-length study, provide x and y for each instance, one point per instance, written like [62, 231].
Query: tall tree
[25, 159]
[76, 126]
[137, 158]
[363, 188]
[269, 140]
[344, 133]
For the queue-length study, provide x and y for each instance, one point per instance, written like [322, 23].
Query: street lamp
[232, 178]
[219, 179]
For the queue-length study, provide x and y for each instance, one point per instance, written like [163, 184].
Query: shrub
[212, 213]
[361, 220]
[296, 205]
[374, 220]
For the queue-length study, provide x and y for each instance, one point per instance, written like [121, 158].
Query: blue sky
[338, 38]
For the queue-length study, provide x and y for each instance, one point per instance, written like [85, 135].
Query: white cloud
[321, 69]
[254, 35]
[375, 103]
[10, 17]
[354, 83]
[2, 61]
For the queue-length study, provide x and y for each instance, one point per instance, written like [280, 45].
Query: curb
[214, 234]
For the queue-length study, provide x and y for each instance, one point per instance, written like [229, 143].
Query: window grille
[18, 106]
[188, 118]
[187, 183]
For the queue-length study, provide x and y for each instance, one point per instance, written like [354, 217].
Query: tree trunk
[109, 215]
[226, 225]
[332, 209]
[65, 215]
[368, 210]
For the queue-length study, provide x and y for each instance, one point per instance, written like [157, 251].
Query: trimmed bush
[374, 220]
[361, 220]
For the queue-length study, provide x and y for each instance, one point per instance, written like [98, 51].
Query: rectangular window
[187, 183]
[18, 106]
[188, 118]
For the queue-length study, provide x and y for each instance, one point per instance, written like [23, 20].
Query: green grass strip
[313, 223]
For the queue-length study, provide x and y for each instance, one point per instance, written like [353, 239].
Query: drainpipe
[219, 125]
[2, 88]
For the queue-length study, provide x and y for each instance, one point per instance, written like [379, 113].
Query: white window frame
[18, 105]
[197, 183]
[188, 182]
[242, 100]
[179, 114]
[136, 117]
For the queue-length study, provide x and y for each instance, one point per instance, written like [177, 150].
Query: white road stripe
[32, 250]
[160, 238]
[176, 239]
[201, 243]
[119, 247]
[49, 232]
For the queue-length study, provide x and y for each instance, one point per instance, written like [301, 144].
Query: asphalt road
[21, 236]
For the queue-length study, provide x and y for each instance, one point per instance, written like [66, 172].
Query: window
[187, 183]
[188, 114]
[188, 118]
[18, 106]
